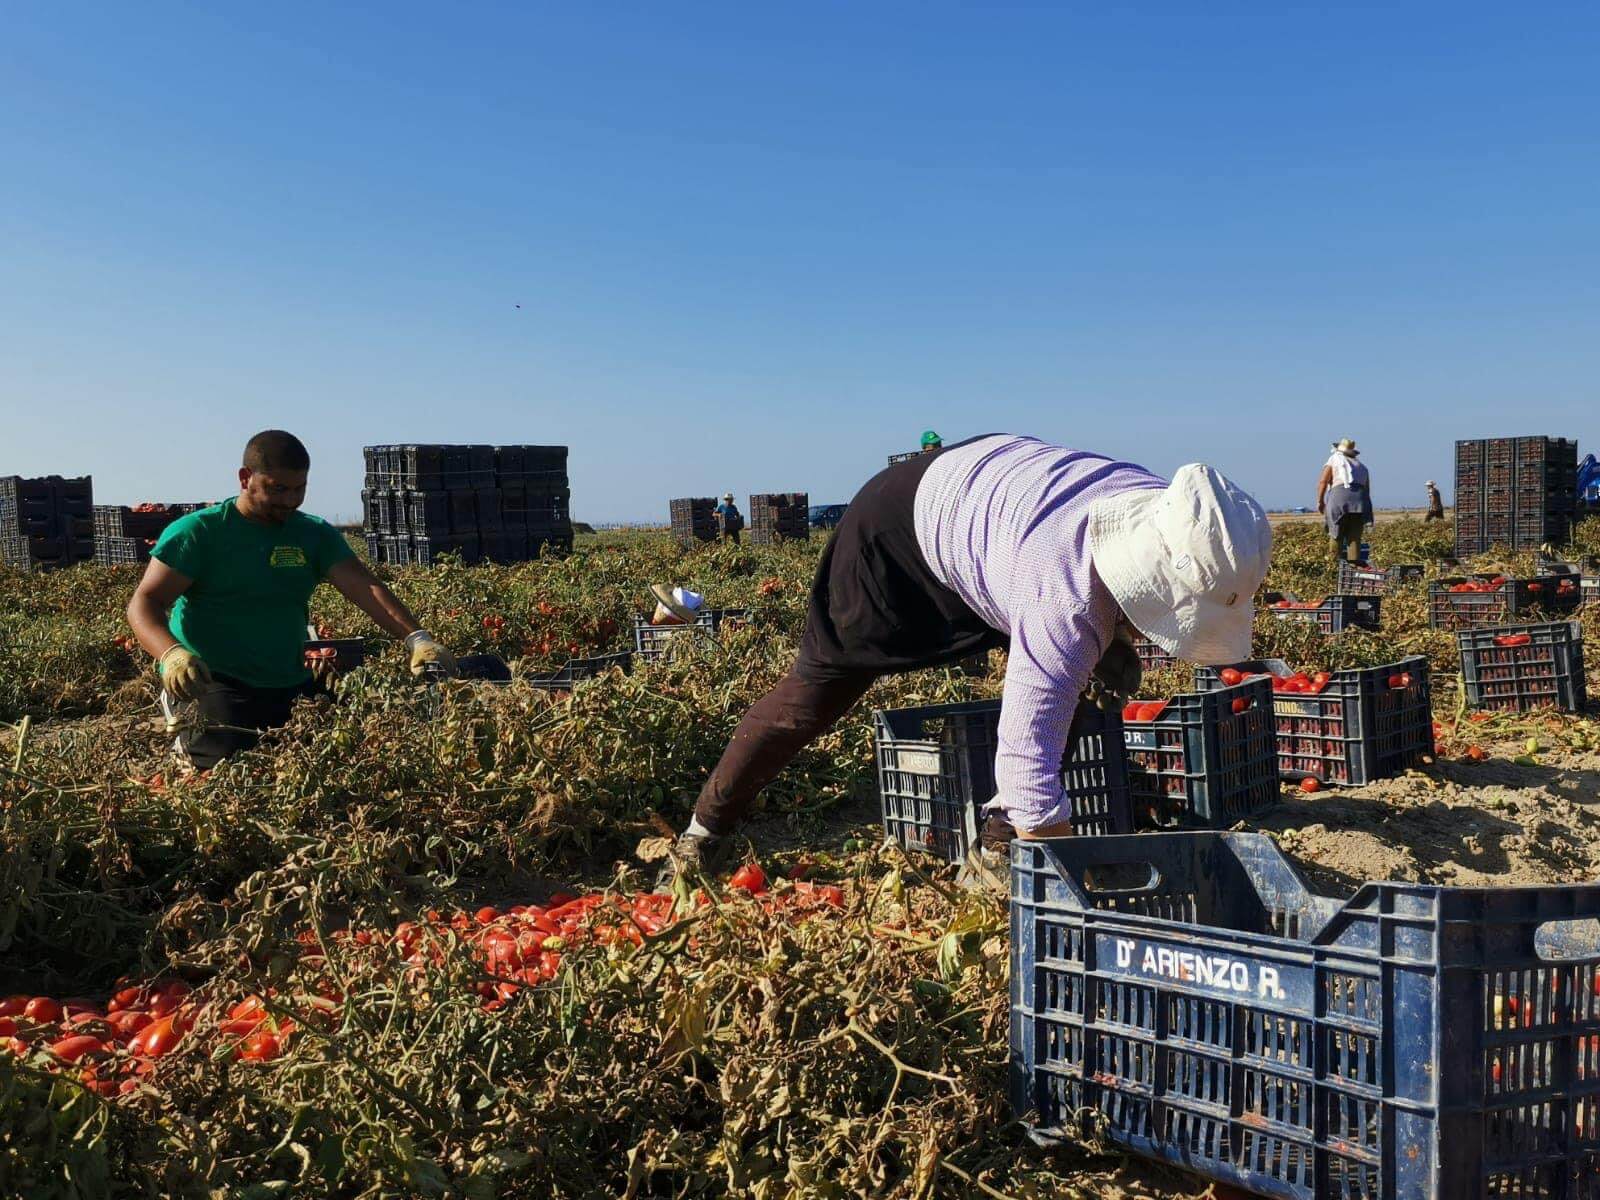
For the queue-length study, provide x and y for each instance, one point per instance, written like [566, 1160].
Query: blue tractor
[1589, 483]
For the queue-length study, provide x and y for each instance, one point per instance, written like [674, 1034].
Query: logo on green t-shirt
[287, 556]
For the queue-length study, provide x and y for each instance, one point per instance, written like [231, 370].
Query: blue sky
[758, 247]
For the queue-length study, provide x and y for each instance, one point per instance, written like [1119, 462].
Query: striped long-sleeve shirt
[1003, 522]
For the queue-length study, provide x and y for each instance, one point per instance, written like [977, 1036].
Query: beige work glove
[426, 652]
[183, 674]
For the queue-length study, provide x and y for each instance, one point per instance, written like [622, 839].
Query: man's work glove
[183, 674]
[426, 653]
[1117, 673]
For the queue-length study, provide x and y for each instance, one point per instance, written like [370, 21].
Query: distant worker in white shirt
[1344, 498]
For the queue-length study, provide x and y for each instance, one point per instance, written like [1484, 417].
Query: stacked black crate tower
[779, 517]
[1519, 493]
[46, 523]
[694, 519]
[126, 535]
[486, 503]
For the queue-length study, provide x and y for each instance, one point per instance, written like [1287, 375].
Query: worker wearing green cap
[931, 440]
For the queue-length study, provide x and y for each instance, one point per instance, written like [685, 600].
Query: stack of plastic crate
[779, 517]
[694, 519]
[1520, 493]
[46, 523]
[127, 534]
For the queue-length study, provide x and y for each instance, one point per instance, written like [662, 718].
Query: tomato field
[407, 947]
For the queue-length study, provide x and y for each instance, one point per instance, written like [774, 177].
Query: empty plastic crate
[1590, 589]
[1516, 597]
[1336, 613]
[1518, 667]
[1186, 997]
[577, 669]
[1200, 764]
[652, 641]
[1151, 656]
[936, 772]
[1358, 729]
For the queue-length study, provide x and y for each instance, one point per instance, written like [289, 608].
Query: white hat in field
[678, 602]
[1346, 448]
[1184, 563]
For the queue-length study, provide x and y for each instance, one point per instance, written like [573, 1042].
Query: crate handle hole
[1125, 878]
[1565, 941]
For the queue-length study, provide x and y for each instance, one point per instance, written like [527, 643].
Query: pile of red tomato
[113, 1044]
[1514, 639]
[1485, 585]
[1143, 710]
[1306, 604]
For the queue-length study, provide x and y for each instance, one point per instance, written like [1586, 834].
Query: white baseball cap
[1184, 563]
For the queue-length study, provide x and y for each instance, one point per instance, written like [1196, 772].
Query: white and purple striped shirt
[1004, 523]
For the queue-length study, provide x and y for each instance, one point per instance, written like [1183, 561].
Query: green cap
[930, 438]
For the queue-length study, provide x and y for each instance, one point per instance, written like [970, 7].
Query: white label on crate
[1218, 971]
[918, 762]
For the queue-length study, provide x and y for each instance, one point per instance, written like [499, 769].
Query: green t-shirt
[245, 614]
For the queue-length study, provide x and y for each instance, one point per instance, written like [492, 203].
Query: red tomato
[263, 1045]
[71, 1049]
[557, 899]
[1230, 676]
[1150, 711]
[1321, 678]
[155, 1040]
[127, 998]
[485, 915]
[12, 1006]
[1476, 753]
[750, 878]
[127, 1023]
[42, 1009]
[1130, 711]
[251, 1008]
[1311, 784]
[8, 1026]
[1242, 704]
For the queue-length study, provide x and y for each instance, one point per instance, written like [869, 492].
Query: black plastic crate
[1357, 580]
[1364, 725]
[1151, 656]
[1514, 597]
[120, 551]
[512, 462]
[652, 641]
[426, 551]
[1515, 668]
[397, 550]
[1185, 996]
[467, 466]
[906, 457]
[426, 514]
[375, 548]
[380, 512]
[693, 519]
[1200, 763]
[1589, 589]
[936, 771]
[1336, 613]
[578, 669]
[348, 653]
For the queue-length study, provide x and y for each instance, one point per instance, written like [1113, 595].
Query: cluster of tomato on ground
[112, 1044]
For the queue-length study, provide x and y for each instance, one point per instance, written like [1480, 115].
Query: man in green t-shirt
[224, 603]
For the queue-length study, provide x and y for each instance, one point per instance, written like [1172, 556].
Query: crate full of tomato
[1515, 668]
[1202, 759]
[1342, 727]
[1332, 614]
[1471, 601]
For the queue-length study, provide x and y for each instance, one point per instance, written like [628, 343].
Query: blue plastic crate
[577, 669]
[652, 641]
[1547, 669]
[1336, 613]
[1200, 764]
[936, 771]
[1186, 997]
[1358, 729]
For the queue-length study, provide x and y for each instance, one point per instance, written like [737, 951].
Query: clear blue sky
[757, 247]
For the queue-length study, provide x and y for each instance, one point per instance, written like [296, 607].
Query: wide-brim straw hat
[1347, 448]
[680, 602]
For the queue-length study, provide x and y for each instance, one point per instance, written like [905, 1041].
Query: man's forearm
[385, 609]
[149, 624]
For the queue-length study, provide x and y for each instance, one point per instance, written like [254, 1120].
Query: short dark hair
[275, 450]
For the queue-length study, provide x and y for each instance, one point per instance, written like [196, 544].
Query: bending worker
[237, 578]
[1435, 503]
[1344, 498]
[1062, 552]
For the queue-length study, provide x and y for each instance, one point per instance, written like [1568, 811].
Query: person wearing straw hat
[1344, 498]
[729, 519]
[1002, 541]
[1435, 503]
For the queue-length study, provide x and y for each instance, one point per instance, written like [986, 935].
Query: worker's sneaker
[705, 854]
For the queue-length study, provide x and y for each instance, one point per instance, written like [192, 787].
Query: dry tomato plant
[342, 965]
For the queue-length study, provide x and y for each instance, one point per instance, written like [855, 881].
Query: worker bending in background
[1344, 498]
[1061, 552]
[224, 602]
